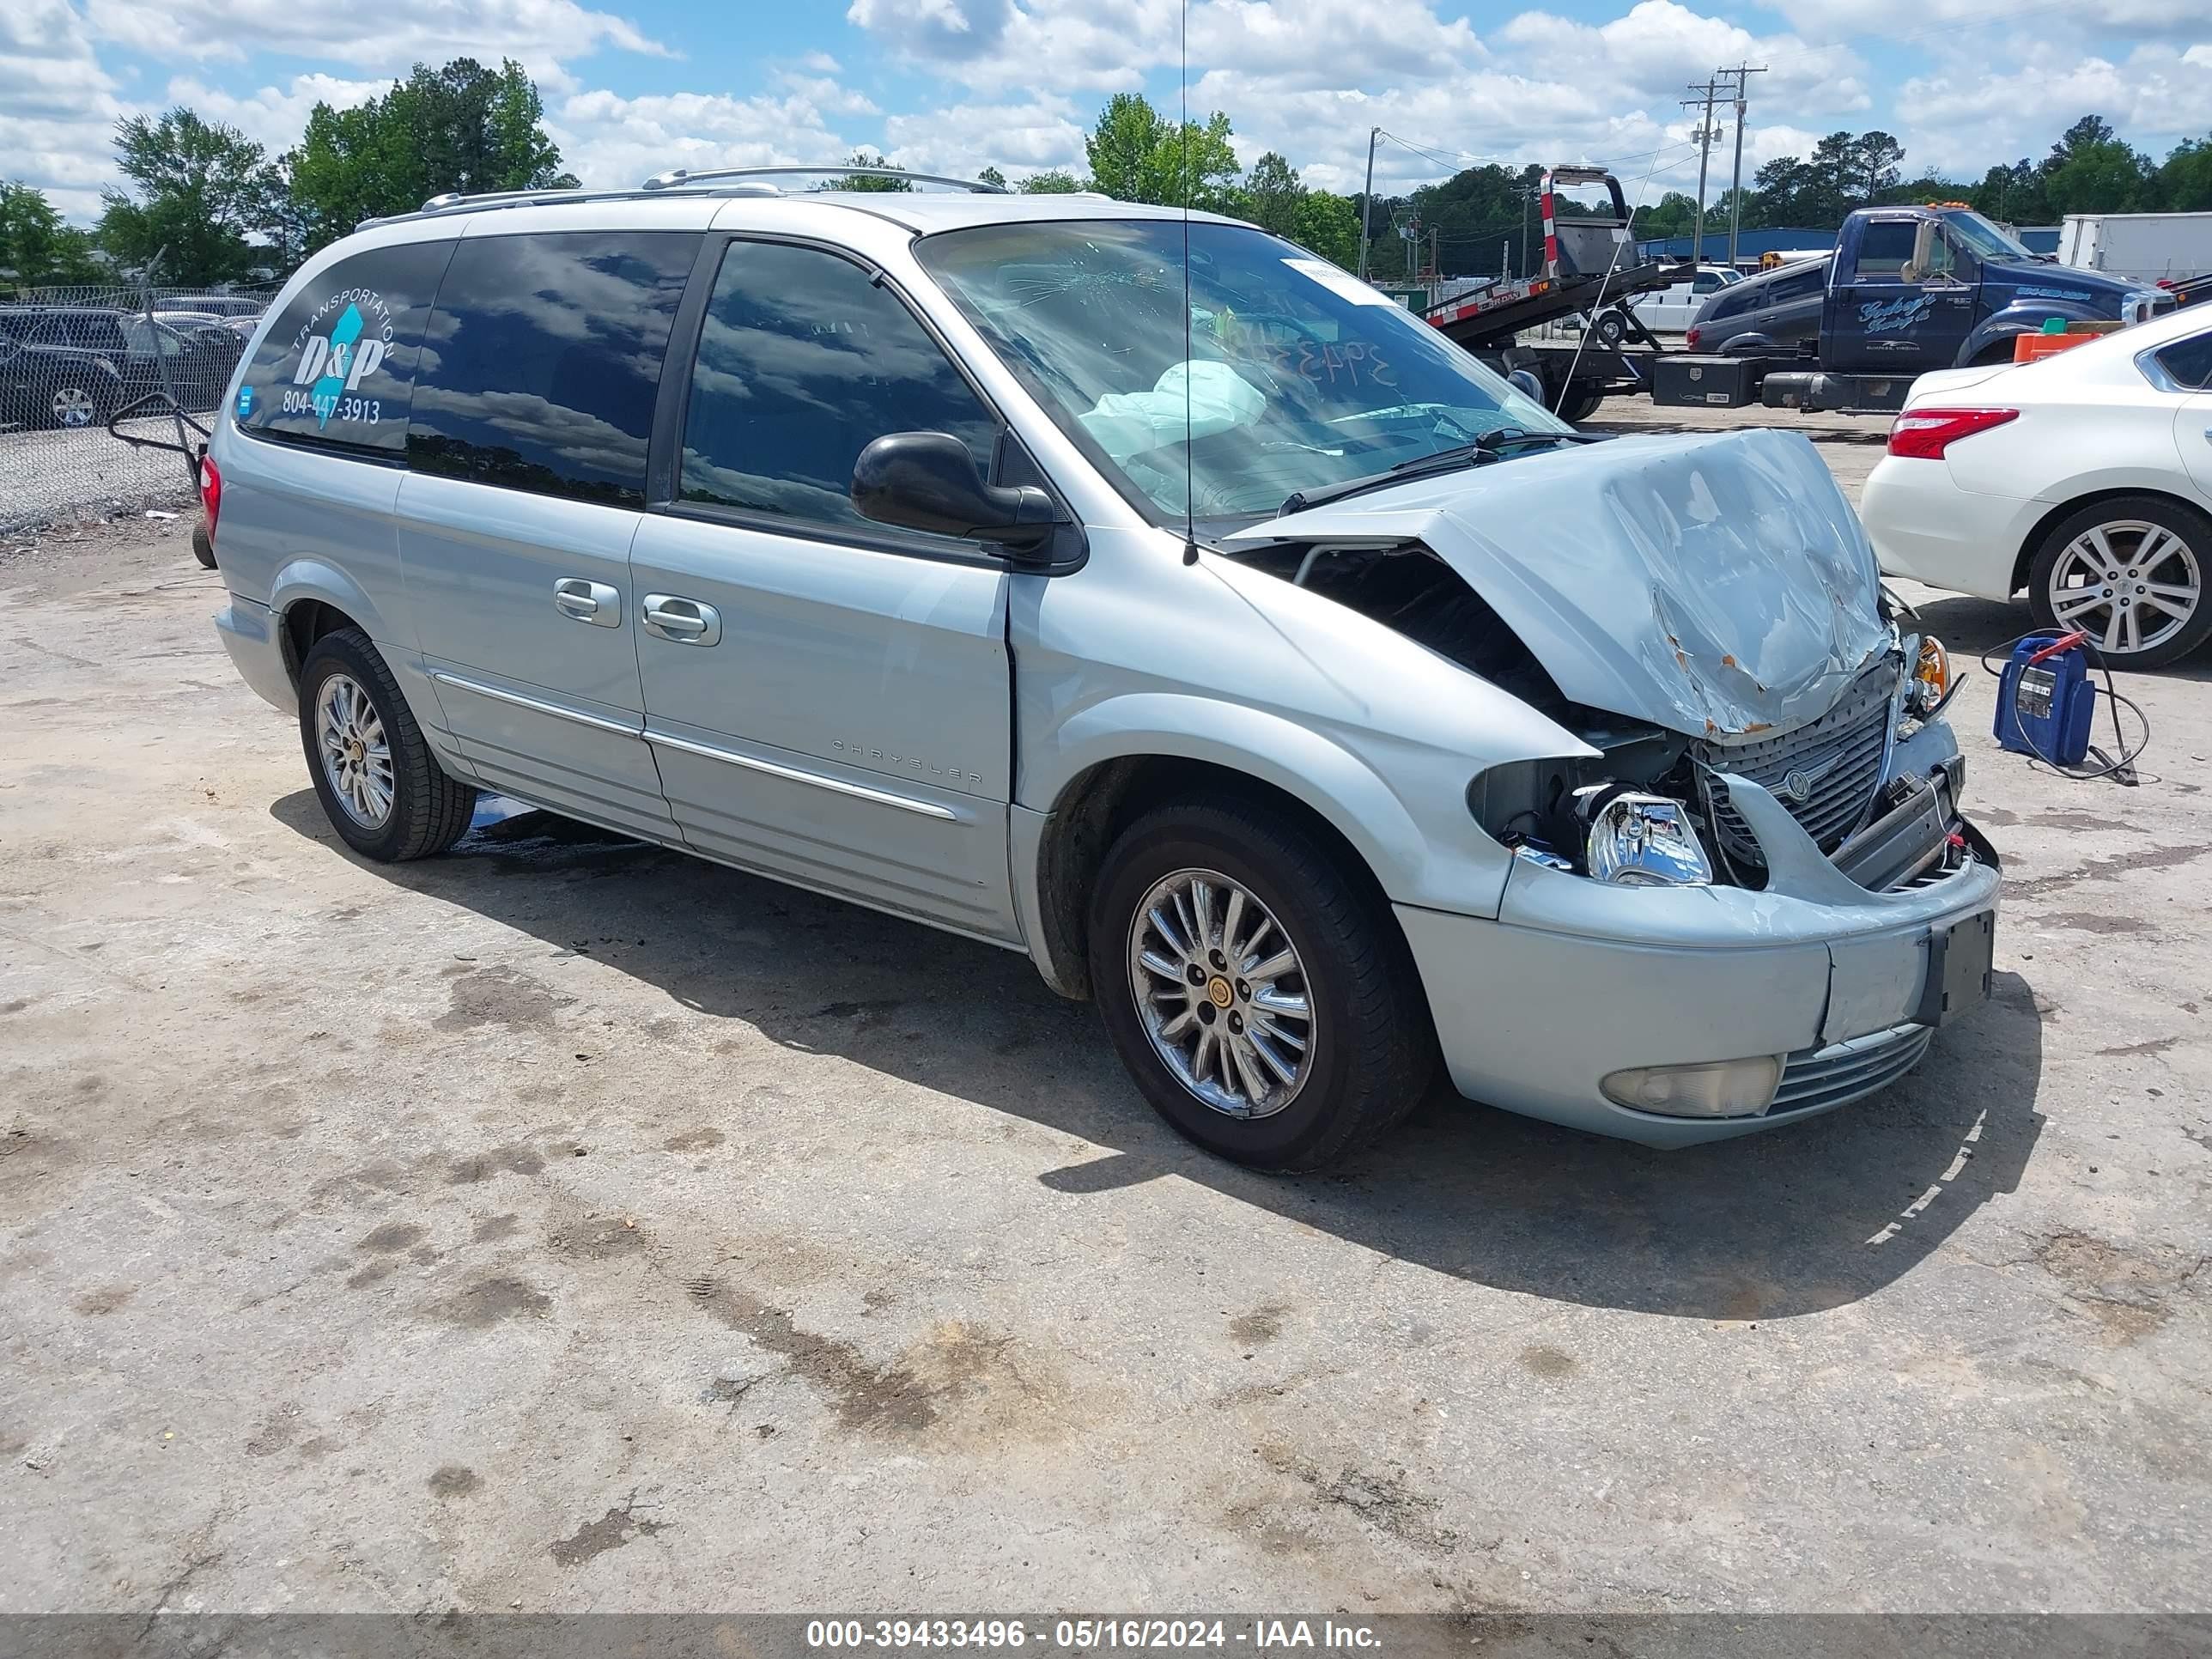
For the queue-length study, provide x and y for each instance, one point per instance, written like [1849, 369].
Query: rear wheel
[1263, 1000]
[381, 788]
[2129, 572]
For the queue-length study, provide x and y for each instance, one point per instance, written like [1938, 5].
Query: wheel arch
[1345, 807]
[311, 598]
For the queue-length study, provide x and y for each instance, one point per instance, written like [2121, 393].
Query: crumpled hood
[1717, 584]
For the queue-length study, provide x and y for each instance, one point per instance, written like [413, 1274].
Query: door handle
[681, 620]
[583, 601]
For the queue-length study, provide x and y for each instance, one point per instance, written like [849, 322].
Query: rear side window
[542, 360]
[804, 362]
[337, 368]
[2189, 362]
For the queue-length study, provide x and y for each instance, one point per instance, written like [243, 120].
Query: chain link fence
[74, 359]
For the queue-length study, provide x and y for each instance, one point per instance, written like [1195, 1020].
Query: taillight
[210, 491]
[1690, 339]
[1924, 433]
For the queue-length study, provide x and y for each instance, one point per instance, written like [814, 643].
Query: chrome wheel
[356, 756]
[2129, 585]
[1222, 993]
[73, 406]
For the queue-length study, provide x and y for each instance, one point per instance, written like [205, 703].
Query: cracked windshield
[1292, 375]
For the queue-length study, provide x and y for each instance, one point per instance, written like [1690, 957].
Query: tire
[202, 548]
[1370, 1050]
[1575, 407]
[1998, 352]
[2178, 542]
[74, 402]
[424, 809]
[1611, 328]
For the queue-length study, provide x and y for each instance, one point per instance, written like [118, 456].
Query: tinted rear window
[338, 367]
[2189, 362]
[543, 361]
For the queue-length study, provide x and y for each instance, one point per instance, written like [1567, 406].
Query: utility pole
[1367, 200]
[1742, 73]
[1704, 135]
[1528, 201]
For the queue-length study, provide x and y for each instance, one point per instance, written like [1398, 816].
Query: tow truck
[1590, 269]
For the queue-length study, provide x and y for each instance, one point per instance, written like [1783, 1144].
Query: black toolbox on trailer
[1691, 379]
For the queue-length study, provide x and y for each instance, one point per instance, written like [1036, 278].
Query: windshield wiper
[1490, 446]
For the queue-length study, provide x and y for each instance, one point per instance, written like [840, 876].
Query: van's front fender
[1415, 832]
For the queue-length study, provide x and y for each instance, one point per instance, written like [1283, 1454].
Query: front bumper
[1577, 979]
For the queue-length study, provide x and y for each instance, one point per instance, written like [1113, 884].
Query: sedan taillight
[1924, 433]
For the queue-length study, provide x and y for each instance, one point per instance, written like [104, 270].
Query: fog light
[1718, 1088]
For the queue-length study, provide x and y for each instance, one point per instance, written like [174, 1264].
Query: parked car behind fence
[71, 358]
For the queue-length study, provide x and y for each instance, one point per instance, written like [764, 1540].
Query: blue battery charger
[2045, 699]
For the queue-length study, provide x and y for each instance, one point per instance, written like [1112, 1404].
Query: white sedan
[2085, 478]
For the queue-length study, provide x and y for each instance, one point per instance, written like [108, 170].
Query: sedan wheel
[2130, 574]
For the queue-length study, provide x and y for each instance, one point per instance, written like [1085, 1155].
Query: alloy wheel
[2129, 585]
[356, 755]
[1223, 993]
[72, 406]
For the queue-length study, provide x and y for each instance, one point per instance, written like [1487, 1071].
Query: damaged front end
[1706, 613]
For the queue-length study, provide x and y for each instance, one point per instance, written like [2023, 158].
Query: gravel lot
[568, 1225]
[60, 476]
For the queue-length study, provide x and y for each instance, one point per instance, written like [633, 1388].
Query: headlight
[1640, 840]
[1931, 678]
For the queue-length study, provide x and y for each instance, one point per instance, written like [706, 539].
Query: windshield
[1984, 240]
[1288, 375]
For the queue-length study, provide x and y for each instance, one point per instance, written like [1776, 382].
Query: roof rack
[677, 178]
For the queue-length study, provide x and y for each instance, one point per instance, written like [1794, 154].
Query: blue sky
[635, 86]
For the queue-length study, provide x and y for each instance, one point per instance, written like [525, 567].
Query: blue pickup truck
[1908, 289]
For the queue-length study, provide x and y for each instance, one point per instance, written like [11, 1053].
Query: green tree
[1053, 181]
[36, 244]
[2184, 184]
[1273, 195]
[993, 177]
[1329, 225]
[2090, 170]
[866, 184]
[202, 190]
[1137, 155]
[460, 127]
[2012, 195]
[1873, 167]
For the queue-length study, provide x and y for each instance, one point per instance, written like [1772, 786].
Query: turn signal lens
[1931, 676]
[1923, 435]
[1720, 1088]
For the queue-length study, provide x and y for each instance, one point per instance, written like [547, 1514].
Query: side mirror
[1525, 382]
[928, 481]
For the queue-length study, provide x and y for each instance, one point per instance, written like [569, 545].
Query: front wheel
[381, 788]
[1578, 405]
[1263, 1000]
[2129, 572]
[74, 404]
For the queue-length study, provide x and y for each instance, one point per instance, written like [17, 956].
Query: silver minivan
[1136, 591]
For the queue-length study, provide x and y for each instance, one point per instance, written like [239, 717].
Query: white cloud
[1966, 122]
[1044, 45]
[57, 106]
[392, 35]
[274, 118]
[608, 141]
[1018, 139]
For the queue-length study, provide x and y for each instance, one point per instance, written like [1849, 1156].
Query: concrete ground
[567, 1224]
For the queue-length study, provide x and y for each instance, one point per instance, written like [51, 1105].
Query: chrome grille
[1839, 758]
[1846, 1071]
